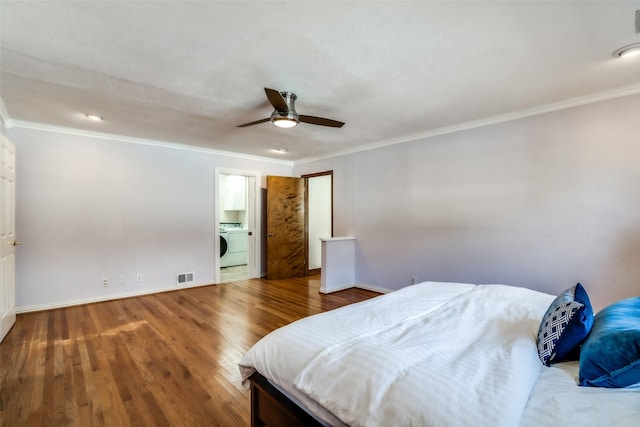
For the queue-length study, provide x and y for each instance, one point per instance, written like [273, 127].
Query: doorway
[299, 211]
[319, 216]
[236, 227]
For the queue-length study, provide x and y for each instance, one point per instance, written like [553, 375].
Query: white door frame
[254, 202]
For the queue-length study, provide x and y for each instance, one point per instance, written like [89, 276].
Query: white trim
[111, 297]
[122, 138]
[501, 118]
[4, 114]
[332, 239]
[372, 288]
[257, 232]
[358, 286]
[342, 288]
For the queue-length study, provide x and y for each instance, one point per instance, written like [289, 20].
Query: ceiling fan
[284, 114]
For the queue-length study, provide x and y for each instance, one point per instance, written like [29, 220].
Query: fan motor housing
[290, 114]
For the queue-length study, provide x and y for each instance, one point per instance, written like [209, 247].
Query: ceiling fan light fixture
[94, 117]
[627, 51]
[285, 119]
[284, 122]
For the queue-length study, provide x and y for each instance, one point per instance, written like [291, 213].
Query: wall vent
[185, 278]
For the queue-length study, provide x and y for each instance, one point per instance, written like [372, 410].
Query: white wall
[90, 208]
[319, 205]
[542, 202]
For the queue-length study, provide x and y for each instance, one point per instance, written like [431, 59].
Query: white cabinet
[234, 195]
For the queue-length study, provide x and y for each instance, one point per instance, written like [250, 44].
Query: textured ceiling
[190, 72]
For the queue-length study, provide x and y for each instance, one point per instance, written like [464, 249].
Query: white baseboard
[373, 288]
[360, 286]
[341, 288]
[82, 301]
[91, 300]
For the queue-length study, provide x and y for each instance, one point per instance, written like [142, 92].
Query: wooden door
[285, 227]
[7, 236]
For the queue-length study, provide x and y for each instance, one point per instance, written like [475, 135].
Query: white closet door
[7, 236]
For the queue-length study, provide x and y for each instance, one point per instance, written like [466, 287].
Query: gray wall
[541, 202]
[89, 208]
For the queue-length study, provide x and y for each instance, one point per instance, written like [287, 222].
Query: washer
[224, 238]
[225, 259]
[233, 244]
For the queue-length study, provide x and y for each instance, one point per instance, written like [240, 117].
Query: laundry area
[233, 225]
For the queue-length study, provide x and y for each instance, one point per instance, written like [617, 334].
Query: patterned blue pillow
[565, 326]
[611, 355]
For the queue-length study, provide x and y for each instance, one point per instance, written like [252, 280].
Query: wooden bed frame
[271, 407]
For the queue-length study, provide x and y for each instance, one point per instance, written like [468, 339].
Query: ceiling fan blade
[320, 121]
[254, 123]
[277, 100]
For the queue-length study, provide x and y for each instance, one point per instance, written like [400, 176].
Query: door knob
[269, 234]
[16, 243]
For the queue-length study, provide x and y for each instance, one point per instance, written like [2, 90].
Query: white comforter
[468, 365]
[284, 353]
[471, 362]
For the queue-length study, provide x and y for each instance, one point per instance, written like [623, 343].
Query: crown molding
[543, 109]
[19, 124]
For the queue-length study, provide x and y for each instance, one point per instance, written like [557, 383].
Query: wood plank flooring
[168, 359]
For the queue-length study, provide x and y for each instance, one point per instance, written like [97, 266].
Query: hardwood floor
[168, 359]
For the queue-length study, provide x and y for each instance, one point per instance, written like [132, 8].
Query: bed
[432, 354]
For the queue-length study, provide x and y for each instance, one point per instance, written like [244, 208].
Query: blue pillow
[565, 326]
[611, 355]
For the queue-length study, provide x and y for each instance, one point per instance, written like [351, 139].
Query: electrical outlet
[139, 277]
[121, 280]
[105, 282]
